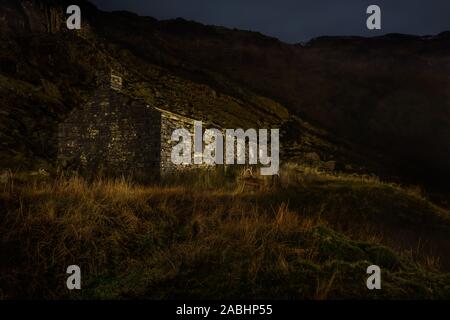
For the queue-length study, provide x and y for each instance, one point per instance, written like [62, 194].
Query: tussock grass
[309, 235]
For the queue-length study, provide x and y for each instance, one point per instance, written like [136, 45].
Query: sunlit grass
[210, 235]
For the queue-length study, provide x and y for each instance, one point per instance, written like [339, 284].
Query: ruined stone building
[116, 135]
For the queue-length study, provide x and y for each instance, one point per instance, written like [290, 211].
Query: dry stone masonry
[116, 135]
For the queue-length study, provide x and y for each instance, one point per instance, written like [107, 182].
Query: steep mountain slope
[46, 70]
[382, 103]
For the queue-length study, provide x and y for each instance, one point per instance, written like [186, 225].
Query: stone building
[116, 135]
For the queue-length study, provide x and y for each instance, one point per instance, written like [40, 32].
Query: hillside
[376, 105]
[46, 71]
[388, 96]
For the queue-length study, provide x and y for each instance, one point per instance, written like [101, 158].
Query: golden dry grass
[219, 239]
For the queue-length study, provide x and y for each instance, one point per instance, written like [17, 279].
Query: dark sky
[298, 20]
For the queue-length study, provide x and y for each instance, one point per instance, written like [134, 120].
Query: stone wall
[112, 135]
[115, 135]
[170, 122]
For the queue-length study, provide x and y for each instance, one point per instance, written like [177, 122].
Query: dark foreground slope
[207, 236]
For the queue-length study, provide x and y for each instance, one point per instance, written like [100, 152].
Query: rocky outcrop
[30, 16]
[35, 16]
